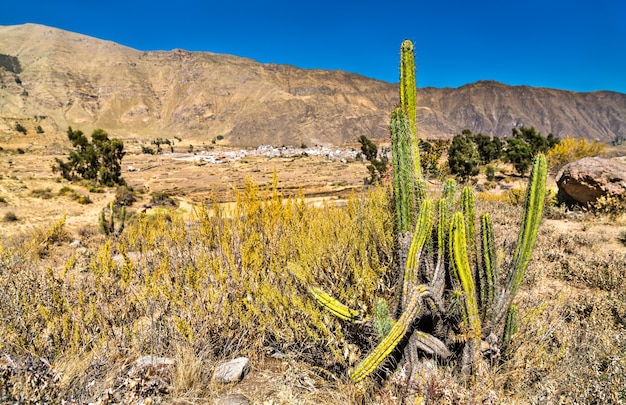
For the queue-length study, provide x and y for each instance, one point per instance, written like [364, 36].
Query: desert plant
[446, 261]
[10, 217]
[100, 160]
[107, 225]
[20, 128]
[570, 149]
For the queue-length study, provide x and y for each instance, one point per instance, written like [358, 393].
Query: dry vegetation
[204, 284]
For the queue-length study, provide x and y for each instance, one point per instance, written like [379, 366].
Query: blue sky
[575, 45]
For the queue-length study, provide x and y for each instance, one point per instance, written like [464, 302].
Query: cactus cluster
[450, 266]
[107, 225]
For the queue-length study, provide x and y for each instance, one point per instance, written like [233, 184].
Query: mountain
[54, 78]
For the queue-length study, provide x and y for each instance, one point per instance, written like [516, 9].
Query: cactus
[334, 305]
[382, 320]
[107, 226]
[403, 176]
[395, 335]
[488, 268]
[510, 328]
[445, 261]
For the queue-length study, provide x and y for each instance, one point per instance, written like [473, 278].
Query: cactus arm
[408, 84]
[489, 267]
[376, 357]
[430, 344]
[122, 220]
[423, 230]
[511, 324]
[334, 305]
[463, 273]
[533, 209]
[403, 176]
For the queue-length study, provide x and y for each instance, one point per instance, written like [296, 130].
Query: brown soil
[188, 182]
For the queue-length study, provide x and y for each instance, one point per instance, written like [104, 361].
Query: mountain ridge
[79, 81]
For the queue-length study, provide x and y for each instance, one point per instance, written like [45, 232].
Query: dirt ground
[30, 191]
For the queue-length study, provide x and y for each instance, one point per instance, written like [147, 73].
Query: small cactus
[107, 226]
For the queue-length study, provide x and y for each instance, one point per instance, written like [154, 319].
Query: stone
[233, 399]
[232, 371]
[586, 180]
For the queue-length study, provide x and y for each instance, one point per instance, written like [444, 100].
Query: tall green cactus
[444, 257]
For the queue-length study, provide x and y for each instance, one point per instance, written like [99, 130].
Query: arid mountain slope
[54, 78]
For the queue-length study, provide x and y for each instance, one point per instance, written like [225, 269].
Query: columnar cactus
[107, 226]
[445, 258]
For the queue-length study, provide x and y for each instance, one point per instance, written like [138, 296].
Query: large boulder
[585, 180]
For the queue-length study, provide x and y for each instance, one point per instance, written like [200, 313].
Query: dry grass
[228, 280]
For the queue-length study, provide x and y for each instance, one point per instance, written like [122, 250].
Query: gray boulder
[586, 180]
[233, 371]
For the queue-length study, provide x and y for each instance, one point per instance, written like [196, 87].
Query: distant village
[224, 156]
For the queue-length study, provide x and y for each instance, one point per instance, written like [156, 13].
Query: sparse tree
[100, 160]
[463, 157]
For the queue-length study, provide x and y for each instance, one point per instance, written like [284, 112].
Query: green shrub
[43, 193]
[125, 196]
[162, 199]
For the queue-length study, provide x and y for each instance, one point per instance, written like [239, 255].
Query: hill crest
[54, 78]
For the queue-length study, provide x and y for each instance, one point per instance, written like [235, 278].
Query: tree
[463, 157]
[100, 160]
[519, 153]
[377, 167]
[526, 144]
[489, 148]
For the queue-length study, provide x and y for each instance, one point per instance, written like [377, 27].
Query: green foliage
[524, 145]
[378, 166]
[100, 160]
[519, 153]
[490, 172]
[463, 157]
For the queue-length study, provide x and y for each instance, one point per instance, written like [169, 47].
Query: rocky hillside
[53, 78]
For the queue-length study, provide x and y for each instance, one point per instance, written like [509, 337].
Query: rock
[585, 180]
[155, 364]
[233, 399]
[233, 371]
[76, 244]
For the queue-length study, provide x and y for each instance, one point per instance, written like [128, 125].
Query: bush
[43, 193]
[100, 160]
[147, 150]
[20, 128]
[463, 157]
[10, 217]
[125, 196]
[162, 199]
[572, 149]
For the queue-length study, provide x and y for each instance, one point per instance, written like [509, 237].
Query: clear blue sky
[575, 45]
